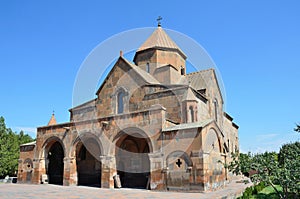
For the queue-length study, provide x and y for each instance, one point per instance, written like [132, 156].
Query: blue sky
[255, 45]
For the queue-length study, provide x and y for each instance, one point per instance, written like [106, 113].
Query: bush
[247, 193]
[250, 191]
[258, 188]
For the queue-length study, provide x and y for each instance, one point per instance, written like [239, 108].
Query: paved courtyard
[53, 191]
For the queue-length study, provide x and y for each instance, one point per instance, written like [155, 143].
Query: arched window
[181, 70]
[216, 109]
[147, 68]
[192, 116]
[120, 104]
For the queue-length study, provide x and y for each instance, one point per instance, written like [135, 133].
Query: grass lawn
[267, 192]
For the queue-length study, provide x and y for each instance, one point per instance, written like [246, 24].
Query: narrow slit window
[148, 68]
[182, 70]
[216, 109]
[192, 116]
[120, 105]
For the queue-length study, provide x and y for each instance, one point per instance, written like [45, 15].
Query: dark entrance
[88, 167]
[56, 164]
[133, 161]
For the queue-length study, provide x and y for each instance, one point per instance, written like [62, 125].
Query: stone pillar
[66, 173]
[108, 171]
[207, 171]
[157, 179]
[21, 177]
[73, 172]
[38, 170]
[70, 171]
[197, 173]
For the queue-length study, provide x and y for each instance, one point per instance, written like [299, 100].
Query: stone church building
[151, 126]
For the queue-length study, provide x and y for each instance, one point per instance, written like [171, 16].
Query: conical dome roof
[160, 39]
[52, 120]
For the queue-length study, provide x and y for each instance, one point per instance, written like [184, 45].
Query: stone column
[70, 171]
[66, 173]
[157, 179]
[38, 170]
[108, 170]
[73, 172]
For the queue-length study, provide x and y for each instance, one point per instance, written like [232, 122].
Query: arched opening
[212, 147]
[133, 165]
[88, 163]
[212, 142]
[55, 168]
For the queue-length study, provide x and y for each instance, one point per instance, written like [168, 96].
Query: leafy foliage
[267, 167]
[272, 169]
[289, 168]
[9, 149]
[240, 163]
[297, 129]
[280, 171]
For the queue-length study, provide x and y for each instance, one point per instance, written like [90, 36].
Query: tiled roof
[198, 80]
[203, 79]
[159, 38]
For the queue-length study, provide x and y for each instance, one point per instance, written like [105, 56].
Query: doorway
[55, 169]
[88, 164]
[133, 165]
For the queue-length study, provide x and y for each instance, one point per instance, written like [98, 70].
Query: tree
[9, 149]
[240, 163]
[297, 129]
[267, 170]
[289, 164]
[272, 169]
[245, 160]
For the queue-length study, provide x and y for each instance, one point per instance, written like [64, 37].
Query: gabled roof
[160, 39]
[143, 74]
[146, 76]
[198, 80]
[87, 104]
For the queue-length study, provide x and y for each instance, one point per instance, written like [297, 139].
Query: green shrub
[248, 192]
[258, 188]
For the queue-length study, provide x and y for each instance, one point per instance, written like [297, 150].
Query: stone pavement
[53, 191]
